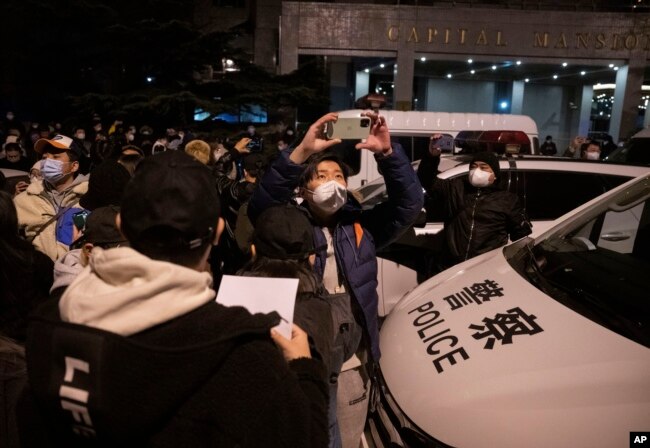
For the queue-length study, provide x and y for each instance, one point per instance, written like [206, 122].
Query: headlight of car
[390, 427]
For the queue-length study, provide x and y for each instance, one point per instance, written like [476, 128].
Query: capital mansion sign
[540, 39]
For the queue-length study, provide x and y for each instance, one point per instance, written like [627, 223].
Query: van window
[470, 142]
[548, 195]
[415, 147]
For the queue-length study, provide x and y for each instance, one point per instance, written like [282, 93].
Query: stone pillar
[517, 102]
[629, 81]
[403, 93]
[266, 33]
[585, 110]
[289, 43]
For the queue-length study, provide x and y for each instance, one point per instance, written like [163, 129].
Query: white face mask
[593, 155]
[329, 197]
[479, 178]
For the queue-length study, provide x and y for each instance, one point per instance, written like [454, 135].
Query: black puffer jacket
[209, 378]
[476, 220]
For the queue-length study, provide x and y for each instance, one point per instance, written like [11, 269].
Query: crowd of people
[110, 256]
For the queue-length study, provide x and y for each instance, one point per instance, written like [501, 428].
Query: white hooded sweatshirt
[124, 292]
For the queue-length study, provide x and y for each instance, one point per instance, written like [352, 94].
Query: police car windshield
[598, 267]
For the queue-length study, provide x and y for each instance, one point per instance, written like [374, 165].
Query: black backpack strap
[44, 226]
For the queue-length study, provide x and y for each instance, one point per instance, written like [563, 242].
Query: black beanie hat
[487, 157]
[284, 232]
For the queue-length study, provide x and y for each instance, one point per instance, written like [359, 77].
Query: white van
[471, 131]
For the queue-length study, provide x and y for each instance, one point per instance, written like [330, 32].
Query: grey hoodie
[66, 269]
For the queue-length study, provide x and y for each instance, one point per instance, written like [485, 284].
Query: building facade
[569, 52]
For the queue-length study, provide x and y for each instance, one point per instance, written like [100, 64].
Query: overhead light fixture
[381, 65]
[449, 75]
[503, 105]
[583, 73]
[518, 62]
[472, 71]
[469, 61]
[611, 65]
[527, 79]
[564, 64]
[554, 76]
[423, 59]
[494, 67]
[367, 70]
[615, 68]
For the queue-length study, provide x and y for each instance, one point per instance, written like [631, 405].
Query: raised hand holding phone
[315, 140]
[378, 140]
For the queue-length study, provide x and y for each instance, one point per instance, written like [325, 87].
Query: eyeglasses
[79, 219]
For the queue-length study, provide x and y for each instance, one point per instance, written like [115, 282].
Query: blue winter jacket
[355, 249]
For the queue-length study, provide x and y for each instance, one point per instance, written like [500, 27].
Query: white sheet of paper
[261, 295]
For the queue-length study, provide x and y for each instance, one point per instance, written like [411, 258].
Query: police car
[548, 187]
[543, 343]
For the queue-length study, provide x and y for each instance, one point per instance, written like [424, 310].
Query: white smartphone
[354, 128]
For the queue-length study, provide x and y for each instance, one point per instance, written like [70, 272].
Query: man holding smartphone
[573, 150]
[351, 237]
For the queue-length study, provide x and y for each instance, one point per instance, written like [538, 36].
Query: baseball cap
[10, 139]
[284, 232]
[56, 144]
[171, 190]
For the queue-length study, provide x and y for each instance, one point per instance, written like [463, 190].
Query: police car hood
[477, 356]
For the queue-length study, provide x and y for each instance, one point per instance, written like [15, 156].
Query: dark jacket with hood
[476, 220]
[358, 233]
[211, 377]
[26, 276]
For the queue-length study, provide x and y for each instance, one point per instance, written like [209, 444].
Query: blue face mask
[52, 171]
